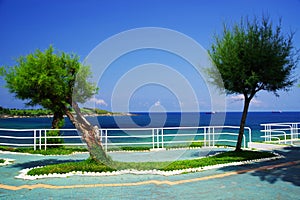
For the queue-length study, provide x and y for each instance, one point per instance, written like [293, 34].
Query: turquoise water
[156, 120]
[254, 120]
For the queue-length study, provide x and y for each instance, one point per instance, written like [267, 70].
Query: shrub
[51, 140]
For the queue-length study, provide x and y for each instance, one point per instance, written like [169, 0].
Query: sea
[160, 120]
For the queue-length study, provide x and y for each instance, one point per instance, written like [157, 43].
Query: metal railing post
[293, 132]
[266, 132]
[153, 138]
[285, 139]
[297, 130]
[213, 136]
[204, 132]
[157, 138]
[45, 136]
[162, 138]
[106, 140]
[209, 137]
[40, 139]
[250, 134]
[34, 139]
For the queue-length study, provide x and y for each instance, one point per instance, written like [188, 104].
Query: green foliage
[95, 111]
[5, 148]
[135, 148]
[87, 166]
[52, 140]
[2, 71]
[254, 56]
[49, 79]
[92, 166]
[61, 150]
[226, 157]
[250, 57]
[102, 112]
[2, 161]
[54, 151]
[24, 112]
[196, 144]
[43, 112]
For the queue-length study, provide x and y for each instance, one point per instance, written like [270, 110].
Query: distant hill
[6, 112]
[15, 113]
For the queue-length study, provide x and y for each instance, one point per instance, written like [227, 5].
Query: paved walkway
[279, 179]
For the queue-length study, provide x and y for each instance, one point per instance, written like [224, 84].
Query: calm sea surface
[165, 120]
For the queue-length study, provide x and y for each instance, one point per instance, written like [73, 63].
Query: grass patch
[61, 150]
[128, 148]
[91, 166]
[86, 166]
[185, 145]
[196, 144]
[67, 150]
[4, 148]
[50, 151]
[223, 158]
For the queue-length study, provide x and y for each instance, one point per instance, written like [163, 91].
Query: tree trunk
[57, 120]
[57, 123]
[95, 147]
[89, 135]
[242, 124]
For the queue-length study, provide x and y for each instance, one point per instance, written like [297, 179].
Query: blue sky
[76, 26]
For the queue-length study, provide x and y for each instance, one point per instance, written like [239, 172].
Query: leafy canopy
[254, 56]
[52, 80]
[250, 57]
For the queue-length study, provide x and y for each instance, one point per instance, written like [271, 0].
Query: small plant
[52, 138]
[5, 148]
[197, 144]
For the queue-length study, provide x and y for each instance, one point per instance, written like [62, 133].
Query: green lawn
[50, 151]
[68, 150]
[91, 166]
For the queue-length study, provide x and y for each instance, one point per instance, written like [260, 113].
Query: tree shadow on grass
[289, 173]
[43, 162]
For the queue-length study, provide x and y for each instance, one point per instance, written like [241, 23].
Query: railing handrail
[280, 124]
[132, 129]
[158, 135]
[289, 129]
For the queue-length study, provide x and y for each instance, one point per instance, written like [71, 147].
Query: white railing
[155, 138]
[37, 138]
[281, 133]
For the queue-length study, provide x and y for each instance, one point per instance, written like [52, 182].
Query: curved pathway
[278, 179]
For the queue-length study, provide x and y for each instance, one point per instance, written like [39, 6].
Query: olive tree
[58, 82]
[252, 56]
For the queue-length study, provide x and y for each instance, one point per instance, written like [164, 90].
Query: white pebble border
[23, 173]
[7, 161]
